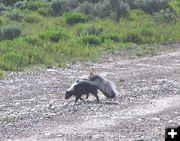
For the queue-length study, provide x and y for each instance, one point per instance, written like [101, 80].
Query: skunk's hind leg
[81, 99]
[77, 98]
[95, 94]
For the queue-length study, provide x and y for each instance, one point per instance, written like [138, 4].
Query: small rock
[156, 119]
[170, 121]
[47, 134]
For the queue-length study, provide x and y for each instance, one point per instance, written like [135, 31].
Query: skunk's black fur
[81, 87]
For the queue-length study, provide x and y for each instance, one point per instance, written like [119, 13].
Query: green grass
[56, 41]
[1, 74]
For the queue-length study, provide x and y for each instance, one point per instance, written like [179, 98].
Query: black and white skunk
[91, 85]
[81, 87]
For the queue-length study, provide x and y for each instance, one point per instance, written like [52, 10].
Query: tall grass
[1, 74]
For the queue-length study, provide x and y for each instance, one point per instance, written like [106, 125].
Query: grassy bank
[40, 36]
[1, 74]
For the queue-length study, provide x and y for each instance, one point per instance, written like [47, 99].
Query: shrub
[31, 5]
[122, 10]
[59, 7]
[149, 6]
[73, 4]
[10, 32]
[10, 2]
[20, 4]
[87, 8]
[166, 16]
[146, 32]
[45, 11]
[33, 40]
[31, 19]
[114, 9]
[35, 5]
[15, 16]
[74, 18]
[143, 35]
[92, 30]
[174, 4]
[112, 37]
[147, 36]
[136, 14]
[3, 8]
[132, 37]
[90, 40]
[53, 36]
[102, 9]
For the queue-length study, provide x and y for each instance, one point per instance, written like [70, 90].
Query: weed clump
[31, 19]
[15, 16]
[59, 7]
[74, 18]
[53, 36]
[90, 40]
[10, 32]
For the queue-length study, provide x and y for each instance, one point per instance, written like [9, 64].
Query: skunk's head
[70, 91]
[69, 94]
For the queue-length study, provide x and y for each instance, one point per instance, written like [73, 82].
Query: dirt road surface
[33, 108]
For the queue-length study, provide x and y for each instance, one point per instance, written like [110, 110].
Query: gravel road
[33, 108]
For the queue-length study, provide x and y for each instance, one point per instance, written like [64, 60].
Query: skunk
[91, 85]
[81, 87]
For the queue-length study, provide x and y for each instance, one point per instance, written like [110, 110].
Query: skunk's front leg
[87, 95]
[82, 99]
[77, 99]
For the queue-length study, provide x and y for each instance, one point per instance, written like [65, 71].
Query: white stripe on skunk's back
[78, 82]
[72, 87]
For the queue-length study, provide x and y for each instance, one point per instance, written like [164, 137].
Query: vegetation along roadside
[54, 33]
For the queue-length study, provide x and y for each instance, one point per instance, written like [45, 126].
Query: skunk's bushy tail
[104, 85]
[108, 88]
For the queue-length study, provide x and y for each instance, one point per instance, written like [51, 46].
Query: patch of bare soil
[33, 108]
